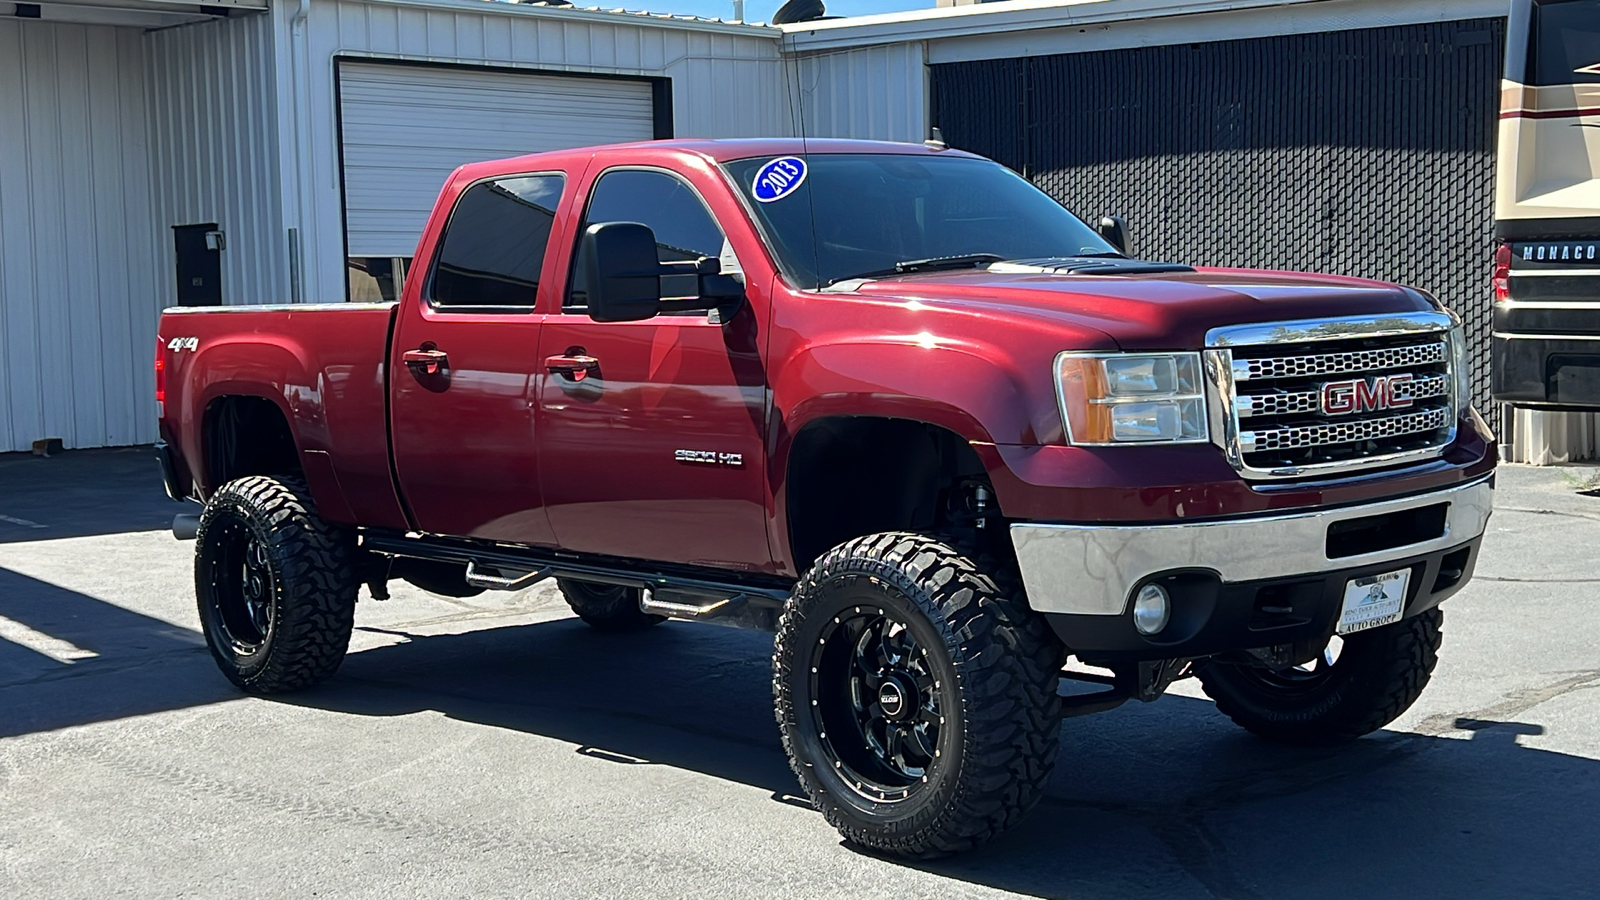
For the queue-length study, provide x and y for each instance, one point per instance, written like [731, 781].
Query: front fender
[952, 385]
[959, 386]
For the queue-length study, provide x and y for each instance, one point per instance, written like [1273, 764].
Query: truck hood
[1164, 311]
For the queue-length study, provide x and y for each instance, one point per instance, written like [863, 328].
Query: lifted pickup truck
[888, 400]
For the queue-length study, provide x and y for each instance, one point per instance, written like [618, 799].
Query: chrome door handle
[578, 367]
[429, 362]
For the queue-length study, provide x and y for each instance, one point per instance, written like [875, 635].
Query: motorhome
[1547, 209]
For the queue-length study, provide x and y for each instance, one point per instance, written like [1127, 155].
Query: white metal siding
[78, 265]
[212, 131]
[872, 93]
[405, 128]
[726, 81]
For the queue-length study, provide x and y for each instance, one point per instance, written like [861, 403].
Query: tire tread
[1008, 661]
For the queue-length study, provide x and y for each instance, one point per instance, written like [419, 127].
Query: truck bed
[322, 365]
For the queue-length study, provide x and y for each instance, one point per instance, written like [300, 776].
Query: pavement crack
[1510, 706]
[1548, 512]
[1507, 580]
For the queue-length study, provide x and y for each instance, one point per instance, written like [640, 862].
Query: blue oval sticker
[778, 179]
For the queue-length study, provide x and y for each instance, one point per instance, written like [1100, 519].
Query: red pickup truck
[887, 400]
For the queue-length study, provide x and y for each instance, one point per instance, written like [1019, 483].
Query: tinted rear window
[495, 243]
[1566, 43]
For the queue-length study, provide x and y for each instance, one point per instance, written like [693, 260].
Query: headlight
[1461, 365]
[1131, 398]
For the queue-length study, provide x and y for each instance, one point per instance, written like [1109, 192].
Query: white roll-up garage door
[406, 127]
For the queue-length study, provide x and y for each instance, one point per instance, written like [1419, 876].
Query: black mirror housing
[622, 273]
[1115, 230]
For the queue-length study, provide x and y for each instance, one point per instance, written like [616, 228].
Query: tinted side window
[1566, 43]
[495, 243]
[683, 226]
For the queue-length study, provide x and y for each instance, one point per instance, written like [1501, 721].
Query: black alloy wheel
[878, 710]
[275, 585]
[916, 696]
[241, 601]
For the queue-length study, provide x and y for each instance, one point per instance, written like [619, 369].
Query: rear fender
[274, 368]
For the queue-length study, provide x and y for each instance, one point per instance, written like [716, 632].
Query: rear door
[463, 366]
[651, 433]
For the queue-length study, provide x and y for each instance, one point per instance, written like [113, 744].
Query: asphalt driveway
[494, 746]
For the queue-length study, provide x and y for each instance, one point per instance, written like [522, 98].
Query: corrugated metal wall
[214, 150]
[78, 262]
[724, 84]
[872, 93]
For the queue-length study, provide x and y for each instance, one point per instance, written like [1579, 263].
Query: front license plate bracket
[1372, 601]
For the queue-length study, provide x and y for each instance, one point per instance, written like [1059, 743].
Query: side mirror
[1115, 230]
[621, 274]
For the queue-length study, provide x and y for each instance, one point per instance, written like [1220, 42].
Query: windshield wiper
[931, 264]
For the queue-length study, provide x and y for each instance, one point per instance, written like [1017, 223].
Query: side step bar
[694, 596]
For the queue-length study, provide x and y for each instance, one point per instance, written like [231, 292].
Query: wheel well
[247, 436]
[850, 476]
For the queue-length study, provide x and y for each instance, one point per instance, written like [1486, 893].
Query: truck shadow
[1163, 800]
[98, 661]
[83, 492]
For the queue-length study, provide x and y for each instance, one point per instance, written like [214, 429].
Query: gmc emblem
[1340, 398]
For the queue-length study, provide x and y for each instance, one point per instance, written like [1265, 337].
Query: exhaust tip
[185, 526]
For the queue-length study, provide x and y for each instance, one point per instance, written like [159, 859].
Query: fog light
[1151, 609]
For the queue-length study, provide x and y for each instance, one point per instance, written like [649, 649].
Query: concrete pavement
[494, 746]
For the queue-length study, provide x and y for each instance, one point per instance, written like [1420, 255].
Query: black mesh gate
[1366, 152]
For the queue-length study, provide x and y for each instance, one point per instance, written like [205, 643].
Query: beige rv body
[1545, 344]
[1549, 149]
[1549, 163]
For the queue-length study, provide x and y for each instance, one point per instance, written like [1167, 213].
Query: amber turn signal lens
[1128, 398]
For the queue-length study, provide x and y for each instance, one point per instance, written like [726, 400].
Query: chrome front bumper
[1094, 569]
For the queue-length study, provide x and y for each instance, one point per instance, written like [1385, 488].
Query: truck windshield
[866, 215]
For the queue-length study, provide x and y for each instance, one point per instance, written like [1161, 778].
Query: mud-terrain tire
[607, 607]
[962, 745]
[275, 585]
[1377, 675]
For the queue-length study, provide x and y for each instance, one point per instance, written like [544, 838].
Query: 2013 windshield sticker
[778, 179]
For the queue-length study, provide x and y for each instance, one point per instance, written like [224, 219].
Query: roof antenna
[935, 140]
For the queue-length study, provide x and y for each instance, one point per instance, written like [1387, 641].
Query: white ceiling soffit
[137, 13]
[1076, 22]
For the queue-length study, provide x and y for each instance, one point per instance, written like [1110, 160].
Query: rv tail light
[1502, 273]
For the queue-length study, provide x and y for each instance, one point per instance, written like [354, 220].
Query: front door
[651, 433]
[463, 367]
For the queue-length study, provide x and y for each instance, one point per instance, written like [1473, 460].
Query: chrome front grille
[1304, 436]
[1341, 363]
[1302, 398]
[1424, 387]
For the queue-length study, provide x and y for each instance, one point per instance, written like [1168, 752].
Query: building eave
[596, 16]
[1024, 15]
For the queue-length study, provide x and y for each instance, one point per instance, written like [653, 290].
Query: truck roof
[718, 150]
